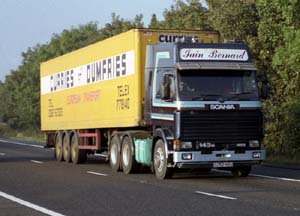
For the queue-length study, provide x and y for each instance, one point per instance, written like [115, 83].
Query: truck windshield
[217, 85]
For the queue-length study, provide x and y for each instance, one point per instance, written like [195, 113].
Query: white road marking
[22, 144]
[30, 205]
[264, 176]
[215, 195]
[95, 173]
[37, 162]
[2, 154]
[277, 178]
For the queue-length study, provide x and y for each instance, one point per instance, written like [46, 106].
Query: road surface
[33, 183]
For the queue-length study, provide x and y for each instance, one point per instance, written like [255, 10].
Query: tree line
[270, 28]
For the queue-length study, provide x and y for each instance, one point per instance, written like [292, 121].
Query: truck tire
[128, 161]
[114, 154]
[162, 171]
[241, 171]
[58, 152]
[66, 147]
[78, 156]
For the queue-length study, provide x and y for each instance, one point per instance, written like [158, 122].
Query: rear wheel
[58, 146]
[114, 153]
[77, 155]
[162, 171]
[66, 147]
[241, 171]
[128, 161]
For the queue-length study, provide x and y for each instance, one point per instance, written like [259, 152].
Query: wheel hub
[159, 159]
[113, 154]
[125, 154]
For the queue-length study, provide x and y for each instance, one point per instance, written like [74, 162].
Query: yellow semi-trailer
[102, 85]
[123, 97]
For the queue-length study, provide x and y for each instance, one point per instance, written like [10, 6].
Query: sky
[25, 23]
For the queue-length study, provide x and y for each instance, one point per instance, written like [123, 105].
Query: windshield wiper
[242, 93]
[218, 97]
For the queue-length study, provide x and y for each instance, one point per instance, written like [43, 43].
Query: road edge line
[95, 173]
[215, 195]
[30, 205]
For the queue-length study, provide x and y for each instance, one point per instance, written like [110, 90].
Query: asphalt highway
[33, 183]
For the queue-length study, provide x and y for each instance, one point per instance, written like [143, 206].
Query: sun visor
[215, 66]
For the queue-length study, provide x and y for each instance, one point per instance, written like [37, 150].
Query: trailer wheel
[114, 154]
[66, 147]
[77, 155]
[241, 171]
[162, 171]
[128, 161]
[58, 146]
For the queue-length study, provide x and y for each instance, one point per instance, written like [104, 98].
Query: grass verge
[26, 134]
[283, 160]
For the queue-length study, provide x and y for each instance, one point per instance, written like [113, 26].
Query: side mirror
[165, 89]
[264, 91]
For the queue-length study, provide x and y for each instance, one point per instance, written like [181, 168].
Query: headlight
[253, 143]
[187, 156]
[186, 145]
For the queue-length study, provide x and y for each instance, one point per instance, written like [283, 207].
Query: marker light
[176, 145]
[253, 143]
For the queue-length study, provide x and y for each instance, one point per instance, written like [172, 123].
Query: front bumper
[207, 160]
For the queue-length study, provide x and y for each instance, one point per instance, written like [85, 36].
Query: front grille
[221, 127]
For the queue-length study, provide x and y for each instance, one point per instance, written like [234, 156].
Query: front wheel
[241, 171]
[162, 171]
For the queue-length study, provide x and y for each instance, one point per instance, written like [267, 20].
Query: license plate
[222, 164]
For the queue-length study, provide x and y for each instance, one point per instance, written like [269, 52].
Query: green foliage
[287, 119]
[278, 33]
[283, 134]
[286, 62]
[154, 23]
[190, 15]
[119, 25]
[235, 19]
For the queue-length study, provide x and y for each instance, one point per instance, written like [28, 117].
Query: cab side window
[165, 87]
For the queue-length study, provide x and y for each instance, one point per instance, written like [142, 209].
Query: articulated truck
[164, 99]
